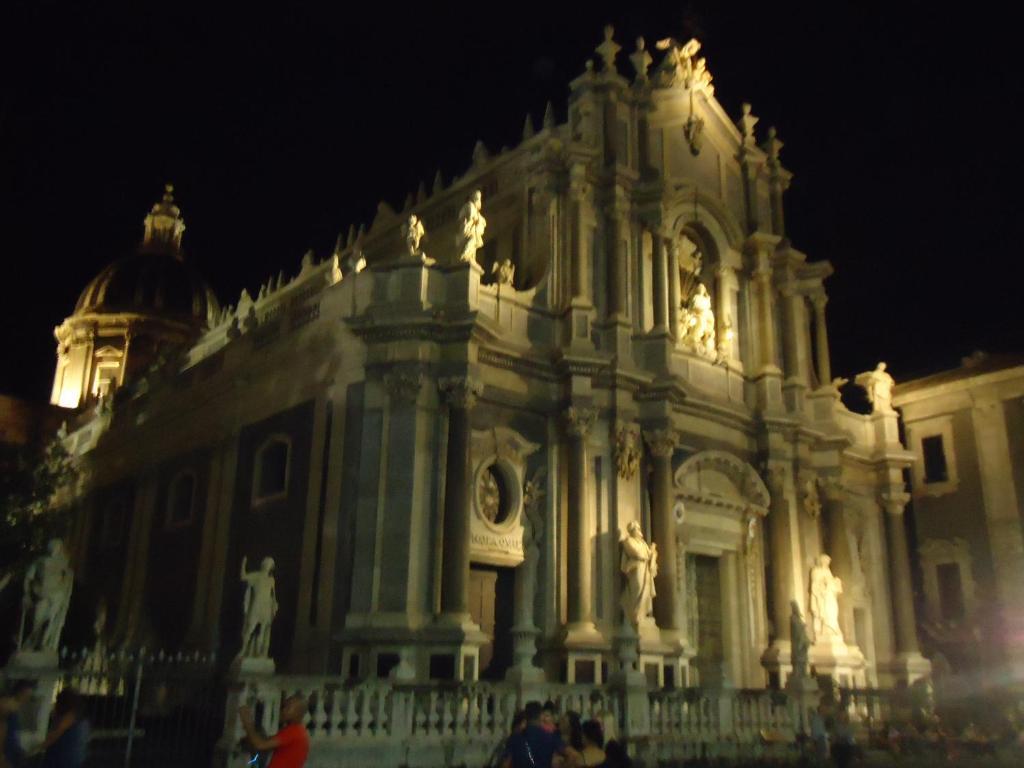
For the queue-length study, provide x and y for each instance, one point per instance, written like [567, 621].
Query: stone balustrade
[398, 725]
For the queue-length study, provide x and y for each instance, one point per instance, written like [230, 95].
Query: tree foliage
[35, 491]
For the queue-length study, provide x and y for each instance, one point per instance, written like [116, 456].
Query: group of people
[539, 739]
[65, 742]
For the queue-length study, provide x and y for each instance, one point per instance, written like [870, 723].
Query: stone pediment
[720, 479]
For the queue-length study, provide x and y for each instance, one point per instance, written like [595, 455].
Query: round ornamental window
[496, 499]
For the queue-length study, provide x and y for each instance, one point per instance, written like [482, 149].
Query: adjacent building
[966, 428]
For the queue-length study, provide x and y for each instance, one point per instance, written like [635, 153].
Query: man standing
[10, 707]
[290, 745]
[533, 747]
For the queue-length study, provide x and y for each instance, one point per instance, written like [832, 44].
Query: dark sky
[280, 127]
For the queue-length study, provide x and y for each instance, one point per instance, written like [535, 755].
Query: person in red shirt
[290, 744]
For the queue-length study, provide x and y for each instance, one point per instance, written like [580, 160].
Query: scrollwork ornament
[627, 452]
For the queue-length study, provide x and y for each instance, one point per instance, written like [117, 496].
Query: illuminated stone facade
[442, 431]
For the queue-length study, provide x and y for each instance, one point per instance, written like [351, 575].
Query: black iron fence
[147, 710]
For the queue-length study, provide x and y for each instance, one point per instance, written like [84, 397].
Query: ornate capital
[460, 391]
[662, 442]
[895, 502]
[774, 476]
[578, 421]
[819, 300]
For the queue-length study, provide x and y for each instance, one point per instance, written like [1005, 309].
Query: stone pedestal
[524, 648]
[41, 667]
[843, 663]
[905, 668]
[804, 696]
[244, 667]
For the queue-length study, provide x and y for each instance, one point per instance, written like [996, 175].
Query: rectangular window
[935, 470]
[951, 593]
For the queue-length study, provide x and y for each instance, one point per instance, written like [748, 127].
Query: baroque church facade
[571, 413]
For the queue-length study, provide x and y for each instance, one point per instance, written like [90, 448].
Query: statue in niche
[259, 607]
[725, 340]
[697, 323]
[47, 595]
[472, 224]
[639, 564]
[490, 495]
[825, 591]
[801, 644]
[878, 385]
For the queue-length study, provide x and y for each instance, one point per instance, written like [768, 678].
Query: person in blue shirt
[69, 733]
[533, 747]
[10, 710]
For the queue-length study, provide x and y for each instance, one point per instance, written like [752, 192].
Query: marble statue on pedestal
[413, 231]
[800, 642]
[825, 591]
[259, 606]
[639, 564]
[878, 385]
[472, 224]
[46, 598]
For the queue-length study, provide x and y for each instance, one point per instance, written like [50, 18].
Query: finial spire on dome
[164, 225]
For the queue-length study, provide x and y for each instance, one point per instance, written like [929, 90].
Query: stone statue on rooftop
[413, 231]
[878, 385]
[681, 67]
[470, 237]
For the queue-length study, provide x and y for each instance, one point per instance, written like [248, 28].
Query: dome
[155, 280]
[150, 283]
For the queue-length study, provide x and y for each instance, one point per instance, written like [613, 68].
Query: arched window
[270, 475]
[181, 499]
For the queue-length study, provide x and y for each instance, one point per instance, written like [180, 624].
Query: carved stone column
[659, 283]
[726, 288]
[578, 422]
[763, 281]
[460, 393]
[673, 289]
[821, 339]
[580, 212]
[667, 603]
[899, 573]
[618, 230]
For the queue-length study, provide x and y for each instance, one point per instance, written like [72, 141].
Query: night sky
[281, 127]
